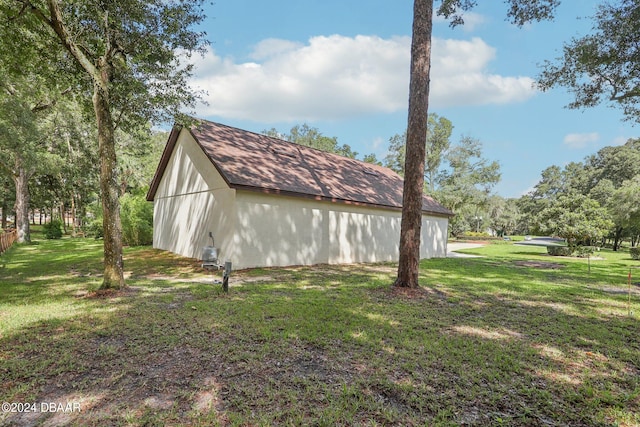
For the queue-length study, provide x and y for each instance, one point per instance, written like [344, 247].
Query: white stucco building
[269, 202]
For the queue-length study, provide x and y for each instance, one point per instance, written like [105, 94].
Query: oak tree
[29, 90]
[131, 60]
[603, 66]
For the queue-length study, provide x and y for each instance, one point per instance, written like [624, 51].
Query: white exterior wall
[277, 230]
[187, 205]
[254, 229]
[433, 237]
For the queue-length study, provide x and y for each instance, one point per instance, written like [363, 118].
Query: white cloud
[581, 140]
[459, 76]
[272, 47]
[378, 143]
[333, 77]
[472, 21]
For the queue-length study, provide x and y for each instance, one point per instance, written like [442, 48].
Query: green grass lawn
[513, 338]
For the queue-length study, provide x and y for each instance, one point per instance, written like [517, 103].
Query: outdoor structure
[269, 202]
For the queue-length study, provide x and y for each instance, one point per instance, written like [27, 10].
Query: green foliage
[396, 156]
[138, 156]
[519, 12]
[93, 220]
[623, 203]
[504, 215]
[574, 217]
[602, 66]
[95, 229]
[137, 220]
[131, 55]
[53, 229]
[147, 39]
[479, 237]
[611, 177]
[371, 158]
[312, 137]
[578, 251]
[470, 177]
[475, 234]
[584, 251]
[615, 163]
[560, 250]
[635, 252]
[439, 131]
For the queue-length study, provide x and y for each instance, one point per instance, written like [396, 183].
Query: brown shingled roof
[252, 161]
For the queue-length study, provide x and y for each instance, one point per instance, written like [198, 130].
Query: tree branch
[23, 9]
[41, 106]
[629, 94]
[57, 24]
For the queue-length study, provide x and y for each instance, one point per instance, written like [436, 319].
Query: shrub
[137, 220]
[93, 220]
[635, 252]
[559, 250]
[53, 229]
[479, 238]
[585, 251]
[475, 234]
[94, 228]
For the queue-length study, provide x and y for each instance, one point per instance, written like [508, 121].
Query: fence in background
[7, 239]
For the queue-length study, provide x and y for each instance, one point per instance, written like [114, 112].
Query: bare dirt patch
[421, 293]
[111, 293]
[539, 264]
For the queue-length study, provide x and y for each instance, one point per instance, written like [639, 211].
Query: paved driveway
[542, 241]
[453, 247]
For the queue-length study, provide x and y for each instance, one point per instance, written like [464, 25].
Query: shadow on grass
[486, 342]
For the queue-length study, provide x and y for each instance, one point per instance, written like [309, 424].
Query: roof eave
[331, 199]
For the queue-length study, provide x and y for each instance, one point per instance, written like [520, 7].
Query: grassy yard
[513, 338]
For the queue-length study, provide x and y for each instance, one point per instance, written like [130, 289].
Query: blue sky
[343, 67]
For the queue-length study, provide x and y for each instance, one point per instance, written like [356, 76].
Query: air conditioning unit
[210, 262]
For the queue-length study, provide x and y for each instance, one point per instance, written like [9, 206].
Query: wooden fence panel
[7, 239]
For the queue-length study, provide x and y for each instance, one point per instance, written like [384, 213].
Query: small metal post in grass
[629, 299]
[225, 276]
[629, 283]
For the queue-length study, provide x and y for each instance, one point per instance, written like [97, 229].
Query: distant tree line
[593, 201]
[56, 158]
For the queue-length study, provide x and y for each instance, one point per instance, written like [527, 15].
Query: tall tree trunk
[113, 263]
[4, 209]
[408, 265]
[63, 217]
[21, 180]
[617, 239]
[73, 214]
